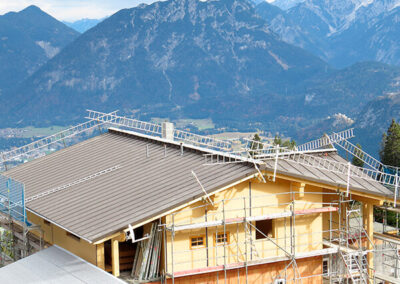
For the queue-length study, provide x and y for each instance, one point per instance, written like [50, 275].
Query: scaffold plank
[237, 265]
[387, 278]
[387, 238]
[254, 218]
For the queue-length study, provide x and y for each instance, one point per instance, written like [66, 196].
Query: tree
[356, 161]
[277, 140]
[390, 148]
[254, 146]
[290, 144]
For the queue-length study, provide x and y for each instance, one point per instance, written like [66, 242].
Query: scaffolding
[16, 238]
[344, 243]
[341, 242]
[387, 256]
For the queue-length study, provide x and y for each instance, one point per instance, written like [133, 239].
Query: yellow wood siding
[266, 198]
[54, 235]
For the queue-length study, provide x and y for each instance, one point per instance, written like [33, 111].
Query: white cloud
[72, 10]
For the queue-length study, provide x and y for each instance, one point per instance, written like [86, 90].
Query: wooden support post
[100, 256]
[369, 227]
[115, 256]
[299, 187]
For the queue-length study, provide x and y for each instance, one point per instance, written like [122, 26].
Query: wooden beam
[369, 227]
[364, 199]
[299, 187]
[335, 188]
[387, 237]
[120, 235]
[100, 256]
[115, 256]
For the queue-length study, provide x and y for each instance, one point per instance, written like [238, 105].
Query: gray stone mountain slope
[375, 119]
[181, 58]
[192, 59]
[342, 32]
[28, 39]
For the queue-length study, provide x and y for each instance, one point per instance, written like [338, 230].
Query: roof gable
[152, 177]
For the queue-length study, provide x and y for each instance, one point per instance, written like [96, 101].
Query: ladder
[156, 129]
[354, 254]
[29, 149]
[356, 266]
[327, 140]
[365, 157]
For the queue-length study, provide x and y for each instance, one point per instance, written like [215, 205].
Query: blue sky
[71, 10]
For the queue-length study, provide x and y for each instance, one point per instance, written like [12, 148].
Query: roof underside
[144, 187]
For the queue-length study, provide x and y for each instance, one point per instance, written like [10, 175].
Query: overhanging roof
[150, 178]
[153, 178]
[54, 265]
[322, 175]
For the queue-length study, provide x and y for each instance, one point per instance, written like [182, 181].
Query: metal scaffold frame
[16, 241]
[388, 247]
[260, 156]
[339, 240]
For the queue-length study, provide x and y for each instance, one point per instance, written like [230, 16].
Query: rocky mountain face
[375, 119]
[342, 32]
[83, 25]
[343, 99]
[180, 58]
[223, 60]
[28, 39]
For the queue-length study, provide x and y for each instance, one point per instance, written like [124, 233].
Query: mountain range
[245, 66]
[341, 32]
[83, 25]
[213, 59]
[28, 39]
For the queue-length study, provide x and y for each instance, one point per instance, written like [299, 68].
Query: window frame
[325, 265]
[221, 243]
[197, 237]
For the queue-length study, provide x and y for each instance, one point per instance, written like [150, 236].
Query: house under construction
[151, 203]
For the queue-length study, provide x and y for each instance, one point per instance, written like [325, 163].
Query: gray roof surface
[292, 168]
[54, 265]
[142, 188]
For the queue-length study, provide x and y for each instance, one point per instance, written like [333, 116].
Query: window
[280, 281]
[264, 228]
[197, 241]
[221, 238]
[325, 266]
[73, 236]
